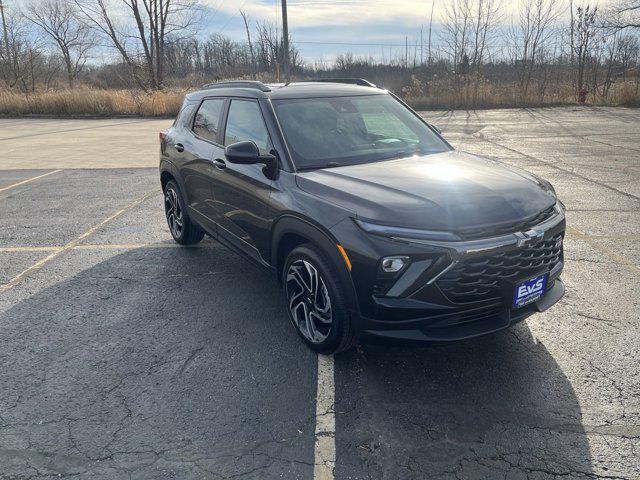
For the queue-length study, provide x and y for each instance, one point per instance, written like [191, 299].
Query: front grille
[485, 232]
[479, 279]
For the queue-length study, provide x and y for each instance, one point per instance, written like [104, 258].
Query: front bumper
[441, 329]
[453, 290]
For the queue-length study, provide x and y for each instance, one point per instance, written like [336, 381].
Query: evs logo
[529, 291]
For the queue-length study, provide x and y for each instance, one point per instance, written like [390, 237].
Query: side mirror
[247, 153]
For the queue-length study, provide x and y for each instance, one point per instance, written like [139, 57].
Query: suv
[374, 225]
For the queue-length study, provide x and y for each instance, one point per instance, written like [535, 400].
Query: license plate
[529, 290]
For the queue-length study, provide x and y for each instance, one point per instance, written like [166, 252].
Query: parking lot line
[619, 259]
[29, 180]
[325, 442]
[75, 242]
[102, 246]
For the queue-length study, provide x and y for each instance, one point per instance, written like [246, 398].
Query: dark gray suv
[374, 225]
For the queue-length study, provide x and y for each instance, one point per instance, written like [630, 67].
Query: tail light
[162, 135]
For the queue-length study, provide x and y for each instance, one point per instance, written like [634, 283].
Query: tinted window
[245, 123]
[335, 131]
[207, 119]
[185, 115]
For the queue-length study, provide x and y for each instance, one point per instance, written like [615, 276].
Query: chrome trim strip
[442, 272]
[408, 278]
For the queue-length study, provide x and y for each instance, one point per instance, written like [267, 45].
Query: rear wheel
[181, 227]
[316, 301]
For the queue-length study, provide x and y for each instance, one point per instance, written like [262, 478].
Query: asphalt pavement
[124, 356]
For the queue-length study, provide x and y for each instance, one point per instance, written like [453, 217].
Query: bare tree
[142, 41]
[583, 31]
[22, 65]
[59, 21]
[530, 37]
[624, 14]
[469, 28]
[245, 19]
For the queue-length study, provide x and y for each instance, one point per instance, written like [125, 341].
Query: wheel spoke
[295, 271]
[311, 329]
[294, 298]
[309, 301]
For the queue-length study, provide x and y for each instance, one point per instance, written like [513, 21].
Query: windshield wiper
[320, 166]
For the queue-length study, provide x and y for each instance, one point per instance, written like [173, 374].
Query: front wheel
[181, 227]
[316, 301]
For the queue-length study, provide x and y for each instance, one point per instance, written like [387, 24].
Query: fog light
[394, 264]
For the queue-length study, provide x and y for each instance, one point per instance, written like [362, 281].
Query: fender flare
[322, 238]
[169, 167]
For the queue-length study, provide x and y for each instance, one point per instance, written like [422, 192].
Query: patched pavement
[125, 356]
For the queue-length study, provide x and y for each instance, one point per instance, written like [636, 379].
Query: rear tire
[182, 229]
[316, 301]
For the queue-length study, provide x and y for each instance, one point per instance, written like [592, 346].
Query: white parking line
[74, 243]
[29, 180]
[325, 444]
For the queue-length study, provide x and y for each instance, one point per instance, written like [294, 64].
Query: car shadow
[493, 407]
[155, 362]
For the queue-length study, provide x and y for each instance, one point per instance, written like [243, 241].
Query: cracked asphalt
[125, 357]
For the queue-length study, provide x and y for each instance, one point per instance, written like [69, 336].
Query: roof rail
[352, 81]
[238, 84]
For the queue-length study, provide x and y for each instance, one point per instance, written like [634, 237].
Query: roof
[274, 91]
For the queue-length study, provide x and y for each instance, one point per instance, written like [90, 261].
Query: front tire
[182, 229]
[316, 301]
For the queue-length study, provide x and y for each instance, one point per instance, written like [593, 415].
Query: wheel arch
[168, 172]
[291, 231]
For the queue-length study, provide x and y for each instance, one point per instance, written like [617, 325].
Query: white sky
[343, 21]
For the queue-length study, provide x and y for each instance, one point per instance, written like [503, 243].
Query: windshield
[337, 131]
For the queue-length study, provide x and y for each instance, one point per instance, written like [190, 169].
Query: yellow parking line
[619, 259]
[28, 249]
[102, 246]
[29, 180]
[74, 243]
[131, 246]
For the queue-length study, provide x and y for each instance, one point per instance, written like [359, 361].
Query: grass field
[84, 101]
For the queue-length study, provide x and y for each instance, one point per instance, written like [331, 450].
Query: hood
[445, 191]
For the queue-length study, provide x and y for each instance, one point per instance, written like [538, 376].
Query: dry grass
[442, 93]
[480, 93]
[90, 102]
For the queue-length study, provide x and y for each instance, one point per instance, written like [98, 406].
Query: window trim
[226, 119]
[221, 120]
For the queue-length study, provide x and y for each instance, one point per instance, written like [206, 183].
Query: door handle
[218, 162]
[179, 147]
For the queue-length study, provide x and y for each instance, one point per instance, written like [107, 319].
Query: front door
[242, 191]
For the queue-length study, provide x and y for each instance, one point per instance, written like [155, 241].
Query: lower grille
[479, 279]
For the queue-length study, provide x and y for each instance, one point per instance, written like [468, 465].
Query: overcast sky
[384, 23]
[354, 22]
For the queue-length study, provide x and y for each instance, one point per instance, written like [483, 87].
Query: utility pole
[285, 39]
[6, 35]
[430, 25]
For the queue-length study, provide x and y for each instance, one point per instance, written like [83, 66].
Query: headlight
[408, 233]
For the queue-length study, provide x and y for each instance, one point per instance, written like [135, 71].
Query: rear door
[204, 144]
[242, 191]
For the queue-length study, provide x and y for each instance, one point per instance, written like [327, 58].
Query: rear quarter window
[183, 120]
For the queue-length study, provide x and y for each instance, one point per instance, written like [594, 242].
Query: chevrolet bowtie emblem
[532, 236]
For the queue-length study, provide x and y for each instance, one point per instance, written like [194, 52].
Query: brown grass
[91, 102]
[439, 94]
[480, 93]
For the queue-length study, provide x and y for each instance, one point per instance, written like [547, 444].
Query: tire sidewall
[185, 219]
[340, 316]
